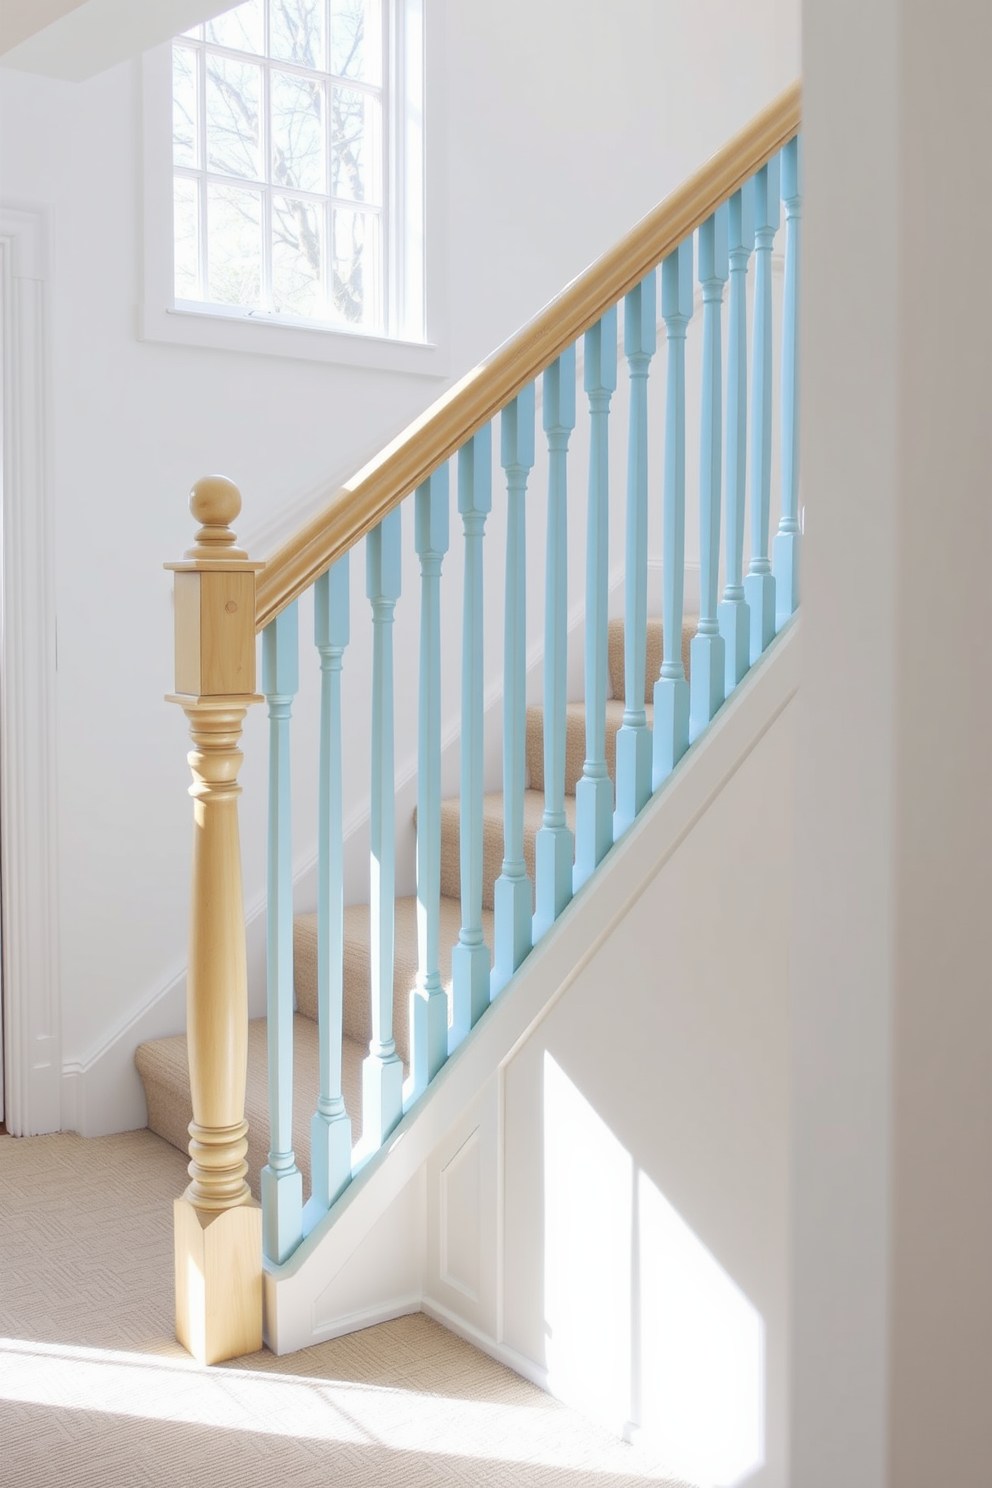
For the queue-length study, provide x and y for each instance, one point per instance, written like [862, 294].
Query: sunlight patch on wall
[645, 1329]
[587, 1186]
[702, 1352]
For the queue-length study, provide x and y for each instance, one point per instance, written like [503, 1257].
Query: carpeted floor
[94, 1390]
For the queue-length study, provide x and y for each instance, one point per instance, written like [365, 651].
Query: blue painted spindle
[640, 322]
[428, 1003]
[759, 586]
[708, 653]
[733, 614]
[282, 1182]
[382, 1071]
[788, 540]
[513, 898]
[671, 691]
[594, 792]
[554, 846]
[330, 1128]
[470, 961]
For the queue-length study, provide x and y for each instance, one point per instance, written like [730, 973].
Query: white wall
[559, 131]
[893, 936]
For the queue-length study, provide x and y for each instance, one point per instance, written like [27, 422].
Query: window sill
[217, 331]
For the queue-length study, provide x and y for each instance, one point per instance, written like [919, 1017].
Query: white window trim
[416, 167]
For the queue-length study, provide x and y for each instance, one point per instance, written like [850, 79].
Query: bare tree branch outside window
[277, 148]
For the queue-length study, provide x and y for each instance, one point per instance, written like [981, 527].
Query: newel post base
[218, 1280]
[218, 1225]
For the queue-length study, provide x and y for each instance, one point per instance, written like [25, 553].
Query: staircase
[164, 1063]
[543, 1102]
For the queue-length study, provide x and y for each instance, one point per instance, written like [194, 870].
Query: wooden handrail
[441, 431]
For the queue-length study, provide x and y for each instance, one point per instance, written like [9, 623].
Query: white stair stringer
[424, 1225]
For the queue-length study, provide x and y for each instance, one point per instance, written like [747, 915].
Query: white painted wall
[893, 936]
[559, 130]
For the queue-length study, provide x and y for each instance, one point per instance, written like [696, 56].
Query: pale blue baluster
[759, 586]
[640, 321]
[382, 1071]
[282, 1182]
[330, 1128]
[513, 897]
[788, 540]
[470, 961]
[671, 691]
[594, 791]
[708, 652]
[428, 1002]
[554, 846]
[733, 614]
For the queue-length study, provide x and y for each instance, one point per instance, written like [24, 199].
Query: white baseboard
[501, 1352]
[103, 1092]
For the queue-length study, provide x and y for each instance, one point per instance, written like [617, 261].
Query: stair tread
[492, 839]
[575, 741]
[163, 1063]
[164, 1069]
[357, 970]
[655, 642]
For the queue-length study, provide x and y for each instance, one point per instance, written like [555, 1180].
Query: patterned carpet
[94, 1390]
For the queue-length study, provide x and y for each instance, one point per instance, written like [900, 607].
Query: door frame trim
[28, 663]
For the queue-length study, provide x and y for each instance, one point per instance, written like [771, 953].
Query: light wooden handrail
[441, 431]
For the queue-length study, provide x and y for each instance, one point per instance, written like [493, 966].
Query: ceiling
[75, 39]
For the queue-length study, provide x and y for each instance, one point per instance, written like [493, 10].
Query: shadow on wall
[642, 1323]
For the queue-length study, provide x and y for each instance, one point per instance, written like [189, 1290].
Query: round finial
[215, 502]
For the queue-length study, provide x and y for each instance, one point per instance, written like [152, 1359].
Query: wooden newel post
[218, 1225]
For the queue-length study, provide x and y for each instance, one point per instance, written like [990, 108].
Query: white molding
[366, 1317]
[529, 1369]
[28, 660]
[102, 1092]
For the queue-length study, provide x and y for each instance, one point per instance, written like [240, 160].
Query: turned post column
[218, 1225]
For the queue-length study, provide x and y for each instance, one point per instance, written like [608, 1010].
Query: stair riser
[653, 656]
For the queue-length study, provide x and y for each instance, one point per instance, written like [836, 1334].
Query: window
[297, 179]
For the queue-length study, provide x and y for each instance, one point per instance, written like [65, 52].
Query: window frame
[412, 267]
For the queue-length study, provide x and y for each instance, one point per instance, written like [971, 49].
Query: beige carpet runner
[162, 1063]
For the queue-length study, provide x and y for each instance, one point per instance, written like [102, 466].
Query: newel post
[218, 1225]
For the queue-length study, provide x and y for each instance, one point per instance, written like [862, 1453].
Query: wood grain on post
[218, 1230]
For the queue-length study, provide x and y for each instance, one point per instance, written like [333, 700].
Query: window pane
[356, 50]
[184, 105]
[233, 100]
[297, 257]
[186, 237]
[234, 245]
[354, 267]
[355, 146]
[297, 132]
[296, 31]
[242, 28]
